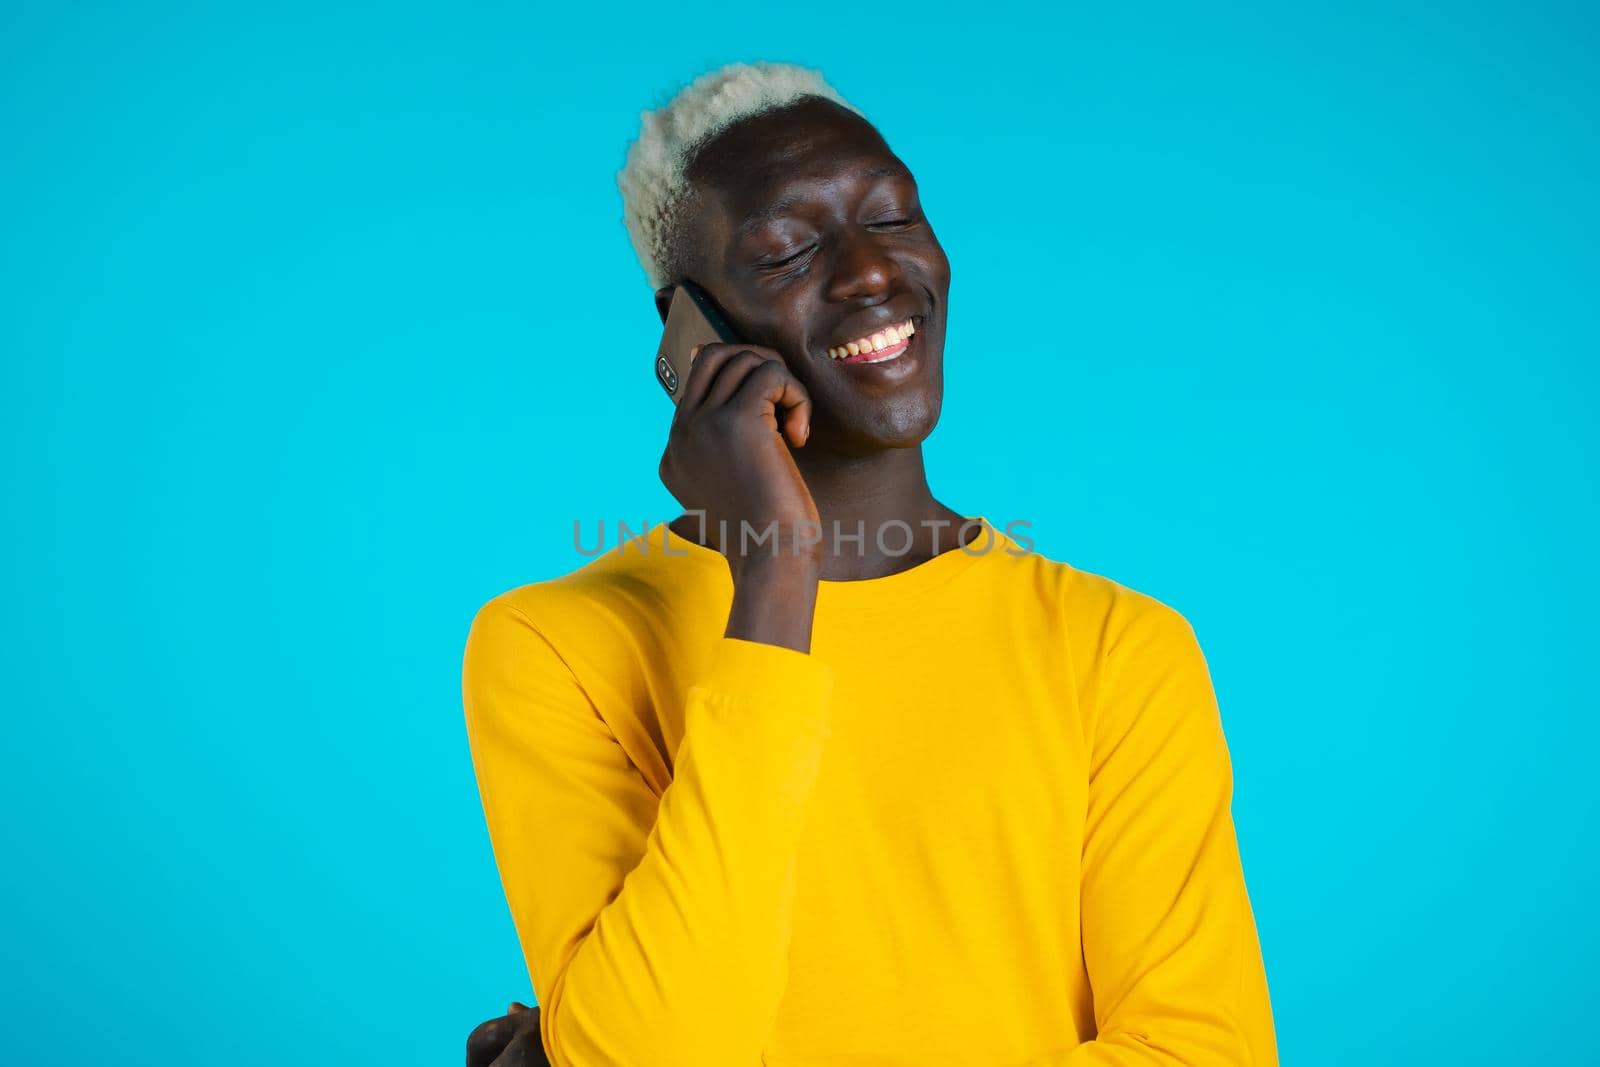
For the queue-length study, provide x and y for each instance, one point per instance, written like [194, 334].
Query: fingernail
[695, 351]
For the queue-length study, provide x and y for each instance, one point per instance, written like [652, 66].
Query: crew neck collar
[954, 559]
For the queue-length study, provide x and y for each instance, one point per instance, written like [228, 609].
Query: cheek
[774, 321]
[933, 268]
[936, 256]
[800, 322]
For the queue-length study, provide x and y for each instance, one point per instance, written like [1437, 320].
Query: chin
[904, 422]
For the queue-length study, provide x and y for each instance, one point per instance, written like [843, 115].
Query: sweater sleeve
[655, 929]
[1169, 939]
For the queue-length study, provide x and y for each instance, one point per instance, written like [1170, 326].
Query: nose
[862, 270]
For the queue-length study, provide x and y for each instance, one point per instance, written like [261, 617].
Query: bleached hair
[654, 182]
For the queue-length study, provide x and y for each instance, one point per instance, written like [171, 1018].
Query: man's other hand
[509, 1041]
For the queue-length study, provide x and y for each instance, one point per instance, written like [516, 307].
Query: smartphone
[692, 319]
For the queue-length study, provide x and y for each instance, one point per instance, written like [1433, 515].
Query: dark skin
[509, 1041]
[807, 232]
[867, 257]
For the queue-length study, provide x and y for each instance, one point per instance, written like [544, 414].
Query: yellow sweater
[984, 822]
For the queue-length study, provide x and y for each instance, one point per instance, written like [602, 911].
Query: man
[901, 793]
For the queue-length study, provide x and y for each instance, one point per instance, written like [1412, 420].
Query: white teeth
[887, 337]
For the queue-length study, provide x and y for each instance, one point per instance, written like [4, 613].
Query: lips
[875, 347]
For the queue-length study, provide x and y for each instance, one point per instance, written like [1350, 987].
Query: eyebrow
[781, 206]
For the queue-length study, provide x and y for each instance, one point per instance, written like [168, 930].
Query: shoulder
[1102, 616]
[1121, 617]
[625, 586]
[523, 617]
[540, 647]
[608, 624]
[1137, 661]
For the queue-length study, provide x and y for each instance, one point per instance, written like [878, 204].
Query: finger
[797, 424]
[489, 1039]
[732, 375]
[516, 1006]
[527, 1050]
[779, 392]
[702, 370]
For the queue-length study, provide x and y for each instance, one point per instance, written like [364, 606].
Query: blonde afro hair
[654, 182]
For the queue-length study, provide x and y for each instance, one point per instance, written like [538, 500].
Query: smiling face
[809, 234]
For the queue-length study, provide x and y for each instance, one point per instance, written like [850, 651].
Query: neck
[873, 495]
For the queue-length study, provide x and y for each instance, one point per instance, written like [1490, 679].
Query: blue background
[293, 302]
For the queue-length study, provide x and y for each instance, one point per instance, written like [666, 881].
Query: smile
[876, 347]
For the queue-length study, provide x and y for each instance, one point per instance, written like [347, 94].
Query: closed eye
[788, 260]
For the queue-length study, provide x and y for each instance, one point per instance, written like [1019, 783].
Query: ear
[664, 300]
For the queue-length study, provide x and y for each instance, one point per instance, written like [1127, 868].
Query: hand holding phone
[739, 410]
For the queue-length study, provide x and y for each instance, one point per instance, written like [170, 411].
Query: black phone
[692, 319]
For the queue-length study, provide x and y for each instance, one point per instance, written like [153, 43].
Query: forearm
[688, 963]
